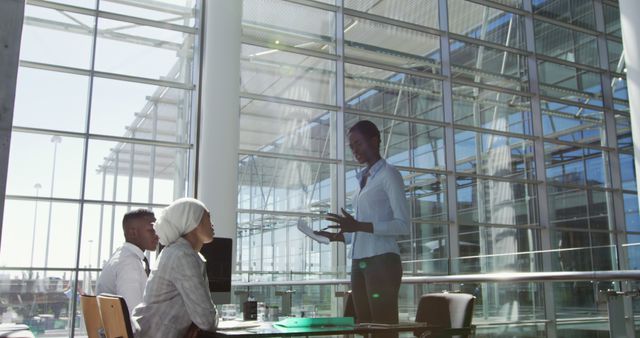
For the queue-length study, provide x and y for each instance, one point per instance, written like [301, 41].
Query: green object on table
[321, 321]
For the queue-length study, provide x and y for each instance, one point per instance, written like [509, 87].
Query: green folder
[320, 321]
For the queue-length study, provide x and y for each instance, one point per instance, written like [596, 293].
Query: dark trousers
[375, 283]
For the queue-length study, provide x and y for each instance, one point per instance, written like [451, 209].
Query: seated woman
[177, 291]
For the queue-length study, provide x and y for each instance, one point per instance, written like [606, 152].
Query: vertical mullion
[83, 174]
[542, 188]
[449, 138]
[339, 252]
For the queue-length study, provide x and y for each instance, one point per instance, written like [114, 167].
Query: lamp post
[36, 186]
[55, 140]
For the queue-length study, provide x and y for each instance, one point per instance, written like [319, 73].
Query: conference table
[268, 329]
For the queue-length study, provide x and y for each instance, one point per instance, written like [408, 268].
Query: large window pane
[488, 65]
[396, 46]
[504, 249]
[141, 173]
[277, 22]
[492, 110]
[283, 185]
[282, 74]
[482, 201]
[419, 12]
[486, 23]
[393, 93]
[286, 129]
[46, 239]
[575, 12]
[405, 143]
[144, 51]
[572, 165]
[42, 100]
[57, 37]
[427, 195]
[431, 249]
[494, 155]
[141, 111]
[566, 44]
[570, 83]
[573, 124]
[45, 165]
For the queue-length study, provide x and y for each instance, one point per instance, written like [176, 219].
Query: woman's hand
[346, 223]
[332, 236]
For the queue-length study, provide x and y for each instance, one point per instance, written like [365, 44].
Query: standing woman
[381, 215]
[177, 292]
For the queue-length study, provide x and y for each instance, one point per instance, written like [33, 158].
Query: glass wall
[509, 121]
[102, 124]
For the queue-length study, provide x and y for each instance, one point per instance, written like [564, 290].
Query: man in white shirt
[126, 272]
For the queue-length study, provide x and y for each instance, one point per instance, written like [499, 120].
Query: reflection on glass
[277, 22]
[566, 44]
[141, 111]
[575, 12]
[573, 124]
[499, 249]
[427, 193]
[494, 155]
[287, 75]
[286, 129]
[56, 37]
[392, 45]
[493, 110]
[144, 51]
[612, 20]
[570, 83]
[283, 185]
[42, 100]
[393, 93]
[616, 59]
[405, 143]
[486, 23]
[482, 201]
[567, 164]
[419, 12]
[488, 65]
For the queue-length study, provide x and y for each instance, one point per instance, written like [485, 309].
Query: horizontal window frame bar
[315, 4]
[289, 49]
[102, 137]
[496, 178]
[82, 201]
[392, 22]
[105, 75]
[246, 152]
[292, 102]
[391, 68]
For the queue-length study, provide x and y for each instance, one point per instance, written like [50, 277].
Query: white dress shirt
[383, 203]
[177, 293]
[124, 275]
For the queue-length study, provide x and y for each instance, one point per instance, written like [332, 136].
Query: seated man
[126, 272]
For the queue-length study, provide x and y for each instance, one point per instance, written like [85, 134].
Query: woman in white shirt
[381, 215]
[177, 292]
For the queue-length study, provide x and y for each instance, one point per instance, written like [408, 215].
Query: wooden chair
[91, 315]
[115, 316]
[451, 312]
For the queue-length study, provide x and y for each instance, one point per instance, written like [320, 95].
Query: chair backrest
[115, 316]
[91, 315]
[447, 310]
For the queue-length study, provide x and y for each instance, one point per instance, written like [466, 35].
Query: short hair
[366, 128]
[136, 214]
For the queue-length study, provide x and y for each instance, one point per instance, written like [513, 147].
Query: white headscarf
[179, 218]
